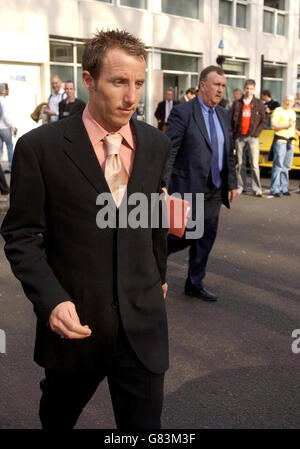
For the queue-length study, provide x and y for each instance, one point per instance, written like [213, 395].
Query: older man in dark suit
[98, 293]
[201, 161]
[164, 108]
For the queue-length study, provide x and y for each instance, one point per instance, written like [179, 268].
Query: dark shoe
[287, 194]
[201, 293]
[277, 195]
[6, 171]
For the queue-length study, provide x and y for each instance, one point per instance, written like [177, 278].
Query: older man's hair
[212, 68]
[96, 48]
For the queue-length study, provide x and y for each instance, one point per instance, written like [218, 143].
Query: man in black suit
[70, 105]
[164, 108]
[98, 292]
[201, 161]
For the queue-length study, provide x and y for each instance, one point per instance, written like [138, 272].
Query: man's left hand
[232, 194]
[165, 289]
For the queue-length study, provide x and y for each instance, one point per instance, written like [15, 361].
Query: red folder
[179, 211]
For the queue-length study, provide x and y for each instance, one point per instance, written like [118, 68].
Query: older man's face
[56, 84]
[212, 89]
[288, 102]
[169, 95]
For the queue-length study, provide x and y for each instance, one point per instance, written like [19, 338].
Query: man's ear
[88, 80]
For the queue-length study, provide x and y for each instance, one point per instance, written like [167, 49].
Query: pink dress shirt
[96, 134]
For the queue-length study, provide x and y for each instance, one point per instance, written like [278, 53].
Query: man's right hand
[65, 322]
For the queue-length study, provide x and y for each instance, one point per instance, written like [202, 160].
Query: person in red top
[247, 120]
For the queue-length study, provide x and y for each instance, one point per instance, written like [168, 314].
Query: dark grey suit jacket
[59, 254]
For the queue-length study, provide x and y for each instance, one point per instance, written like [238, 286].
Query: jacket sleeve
[23, 230]
[159, 235]
[263, 118]
[176, 128]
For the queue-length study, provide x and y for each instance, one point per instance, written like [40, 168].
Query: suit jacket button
[115, 305]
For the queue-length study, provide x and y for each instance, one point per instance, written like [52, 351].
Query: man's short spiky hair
[96, 48]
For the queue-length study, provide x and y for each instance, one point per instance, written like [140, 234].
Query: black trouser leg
[64, 396]
[136, 392]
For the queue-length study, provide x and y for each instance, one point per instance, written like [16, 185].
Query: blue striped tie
[215, 173]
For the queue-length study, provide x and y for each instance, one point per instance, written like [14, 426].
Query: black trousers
[4, 189]
[136, 393]
[200, 248]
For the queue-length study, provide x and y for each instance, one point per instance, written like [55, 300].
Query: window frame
[200, 15]
[234, 14]
[276, 12]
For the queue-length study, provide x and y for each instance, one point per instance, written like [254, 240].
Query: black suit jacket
[59, 254]
[188, 167]
[160, 112]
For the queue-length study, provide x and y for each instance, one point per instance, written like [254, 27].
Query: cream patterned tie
[114, 172]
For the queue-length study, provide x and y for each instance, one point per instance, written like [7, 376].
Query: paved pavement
[231, 362]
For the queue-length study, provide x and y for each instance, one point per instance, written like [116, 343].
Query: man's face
[116, 93]
[169, 95]
[56, 84]
[70, 90]
[249, 90]
[288, 102]
[190, 95]
[212, 90]
[237, 95]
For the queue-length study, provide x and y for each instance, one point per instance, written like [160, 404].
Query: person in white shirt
[164, 108]
[7, 127]
[58, 94]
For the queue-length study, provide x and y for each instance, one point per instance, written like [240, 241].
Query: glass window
[234, 68]
[241, 13]
[225, 12]
[277, 4]
[280, 24]
[181, 63]
[273, 71]
[105, 1]
[186, 8]
[80, 49]
[61, 52]
[134, 3]
[194, 81]
[64, 72]
[275, 87]
[81, 91]
[268, 22]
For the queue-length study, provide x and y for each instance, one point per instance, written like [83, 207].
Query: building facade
[260, 39]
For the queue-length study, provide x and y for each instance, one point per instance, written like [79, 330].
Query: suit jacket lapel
[142, 159]
[199, 119]
[80, 150]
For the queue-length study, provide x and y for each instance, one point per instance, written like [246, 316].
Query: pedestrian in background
[270, 105]
[201, 161]
[248, 118]
[164, 108]
[189, 95]
[7, 126]
[70, 105]
[283, 121]
[58, 94]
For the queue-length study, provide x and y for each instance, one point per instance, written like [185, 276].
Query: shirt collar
[97, 133]
[204, 107]
[60, 92]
